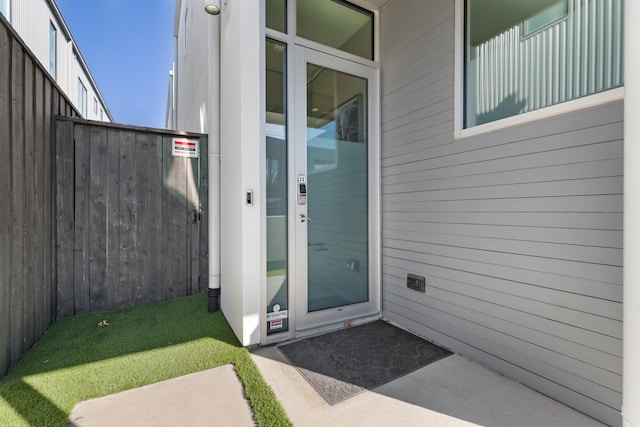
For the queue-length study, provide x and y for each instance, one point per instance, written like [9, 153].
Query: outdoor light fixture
[212, 10]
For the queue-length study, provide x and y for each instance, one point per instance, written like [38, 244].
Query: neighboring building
[475, 144]
[43, 29]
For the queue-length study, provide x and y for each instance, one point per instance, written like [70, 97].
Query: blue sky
[128, 46]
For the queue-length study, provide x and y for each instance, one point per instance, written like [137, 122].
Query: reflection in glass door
[337, 183]
[276, 185]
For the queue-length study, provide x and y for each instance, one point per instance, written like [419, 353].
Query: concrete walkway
[212, 397]
[450, 392]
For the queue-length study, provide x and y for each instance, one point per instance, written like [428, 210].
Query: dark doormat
[341, 364]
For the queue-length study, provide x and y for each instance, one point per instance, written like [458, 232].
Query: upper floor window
[52, 49]
[95, 105]
[524, 55]
[82, 98]
[4, 8]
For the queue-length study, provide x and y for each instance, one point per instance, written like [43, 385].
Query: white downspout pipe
[631, 262]
[214, 157]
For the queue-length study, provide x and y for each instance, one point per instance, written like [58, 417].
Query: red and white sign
[275, 324]
[182, 147]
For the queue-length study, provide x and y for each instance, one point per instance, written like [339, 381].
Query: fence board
[97, 218]
[39, 207]
[5, 201]
[128, 220]
[153, 201]
[174, 211]
[142, 172]
[49, 205]
[81, 220]
[64, 219]
[18, 199]
[60, 109]
[143, 162]
[112, 237]
[29, 249]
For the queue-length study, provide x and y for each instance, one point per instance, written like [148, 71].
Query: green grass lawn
[76, 360]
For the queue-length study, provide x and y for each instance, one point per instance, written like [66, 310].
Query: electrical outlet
[415, 282]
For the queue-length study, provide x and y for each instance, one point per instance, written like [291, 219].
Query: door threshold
[333, 326]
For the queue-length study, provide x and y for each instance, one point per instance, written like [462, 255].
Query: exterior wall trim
[631, 226]
[602, 98]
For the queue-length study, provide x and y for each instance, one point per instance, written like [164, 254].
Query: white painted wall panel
[192, 67]
[30, 19]
[241, 131]
[518, 232]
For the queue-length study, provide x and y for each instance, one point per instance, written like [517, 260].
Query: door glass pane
[276, 167]
[337, 189]
[337, 24]
[277, 15]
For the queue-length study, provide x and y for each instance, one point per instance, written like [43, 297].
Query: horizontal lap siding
[518, 232]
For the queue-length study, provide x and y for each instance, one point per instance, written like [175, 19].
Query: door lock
[304, 218]
[302, 190]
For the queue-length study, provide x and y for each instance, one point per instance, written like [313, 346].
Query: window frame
[577, 104]
[82, 98]
[356, 6]
[293, 43]
[292, 39]
[527, 34]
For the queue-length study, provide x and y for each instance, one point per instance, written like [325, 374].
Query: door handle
[196, 215]
[303, 218]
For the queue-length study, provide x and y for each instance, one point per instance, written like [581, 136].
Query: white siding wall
[518, 232]
[64, 64]
[192, 67]
[31, 20]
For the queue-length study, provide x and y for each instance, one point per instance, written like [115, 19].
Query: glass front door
[332, 200]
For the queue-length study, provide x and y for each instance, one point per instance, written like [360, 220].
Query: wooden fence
[102, 217]
[130, 218]
[29, 101]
